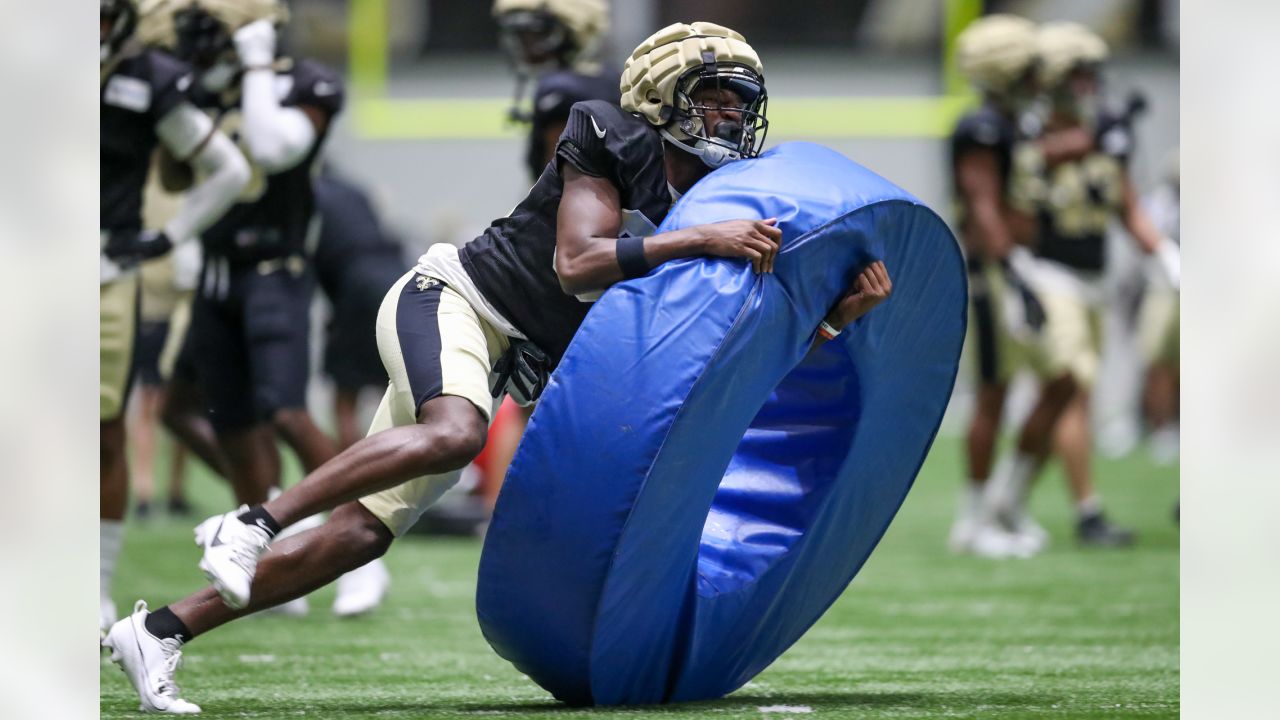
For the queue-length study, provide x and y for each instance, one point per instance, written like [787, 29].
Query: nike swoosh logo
[263, 524]
[217, 539]
[324, 87]
[599, 133]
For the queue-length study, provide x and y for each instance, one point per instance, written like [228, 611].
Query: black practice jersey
[1075, 202]
[513, 262]
[142, 89]
[555, 94]
[985, 129]
[272, 214]
[353, 246]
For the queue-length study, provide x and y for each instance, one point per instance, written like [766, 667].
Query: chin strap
[711, 154]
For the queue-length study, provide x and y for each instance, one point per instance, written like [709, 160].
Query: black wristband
[631, 257]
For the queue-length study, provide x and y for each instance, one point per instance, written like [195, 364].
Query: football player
[554, 42]
[250, 318]
[1065, 208]
[144, 103]
[693, 100]
[249, 335]
[997, 55]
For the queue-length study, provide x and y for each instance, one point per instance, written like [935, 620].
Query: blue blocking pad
[696, 487]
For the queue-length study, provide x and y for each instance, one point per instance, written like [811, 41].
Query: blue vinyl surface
[695, 487]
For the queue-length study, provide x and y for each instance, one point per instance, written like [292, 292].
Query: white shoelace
[165, 684]
[246, 550]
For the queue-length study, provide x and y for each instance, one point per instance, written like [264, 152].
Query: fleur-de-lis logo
[425, 282]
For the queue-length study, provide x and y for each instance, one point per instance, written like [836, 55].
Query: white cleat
[231, 552]
[149, 662]
[1021, 525]
[362, 590]
[990, 541]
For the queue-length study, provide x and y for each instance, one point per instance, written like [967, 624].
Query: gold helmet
[662, 77]
[1064, 47]
[546, 33]
[204, 27]
[997, 52]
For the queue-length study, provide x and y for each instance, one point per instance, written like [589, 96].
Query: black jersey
[142, 89]
[1075, 202]
[272, 214]
[985, 129]
[513, 262]
[554, 95]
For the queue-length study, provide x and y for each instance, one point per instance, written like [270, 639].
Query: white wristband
[827, 330]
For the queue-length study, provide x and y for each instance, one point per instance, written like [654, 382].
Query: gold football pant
[117, 325]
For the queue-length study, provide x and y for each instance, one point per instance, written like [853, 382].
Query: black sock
[164, 624]
[257, 516]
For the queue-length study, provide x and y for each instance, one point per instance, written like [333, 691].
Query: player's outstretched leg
[147, 645]
[449, 434]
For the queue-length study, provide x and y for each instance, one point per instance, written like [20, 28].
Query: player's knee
[361, 532]
[452, 433]
[447, 446]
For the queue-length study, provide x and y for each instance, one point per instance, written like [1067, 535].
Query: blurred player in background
[250, 321]
[1158, 328]
[251, 316]
[694, 100]
[143, 104]
[997, 55]
[555, 44]
[1063, 208]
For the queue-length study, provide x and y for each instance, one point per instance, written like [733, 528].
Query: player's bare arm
[978, 177]
[1137, 221]
[869, 289]
[1065, 145]
[590, 218]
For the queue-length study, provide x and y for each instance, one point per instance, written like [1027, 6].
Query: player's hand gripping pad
[695, 488]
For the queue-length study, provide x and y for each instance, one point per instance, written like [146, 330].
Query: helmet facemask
[1079, 95]
[727, 89]
[534, 41]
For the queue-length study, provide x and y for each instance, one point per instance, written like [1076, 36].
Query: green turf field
[919, 633]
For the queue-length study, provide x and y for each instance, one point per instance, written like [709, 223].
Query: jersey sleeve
[170, 80]
[318, 86]
[587, 142]
[980, 131]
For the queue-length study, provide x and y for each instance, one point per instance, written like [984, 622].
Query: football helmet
[1065, 47]
[669, 76]
[539, 35]
[204, 27]
[997, 54]
[1069, 67]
